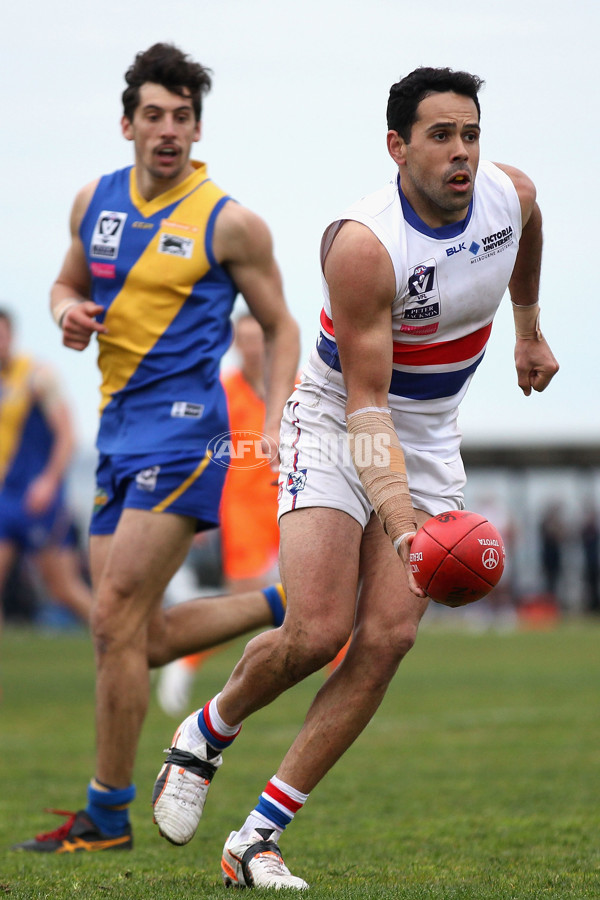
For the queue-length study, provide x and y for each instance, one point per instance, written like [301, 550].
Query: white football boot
[256, 863]
[174, 688]
[182, 784]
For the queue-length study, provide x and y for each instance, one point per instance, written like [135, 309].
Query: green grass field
[478, 778]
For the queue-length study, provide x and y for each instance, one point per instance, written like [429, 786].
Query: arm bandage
[61, 309]
[527, 321]
[379, 461]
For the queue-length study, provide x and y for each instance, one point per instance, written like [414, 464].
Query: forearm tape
[379, 461]
[527, 322]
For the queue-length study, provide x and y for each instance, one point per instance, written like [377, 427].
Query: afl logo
[490, 558]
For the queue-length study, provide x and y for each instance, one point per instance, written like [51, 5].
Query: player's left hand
[40, 495]
[535, 363]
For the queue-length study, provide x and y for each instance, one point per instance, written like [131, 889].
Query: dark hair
[406, 94]
[165, 64]
[6, 316]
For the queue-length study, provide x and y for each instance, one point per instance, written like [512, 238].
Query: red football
[457, 557]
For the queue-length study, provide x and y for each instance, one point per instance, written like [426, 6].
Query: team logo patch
[100, 499]
[145, 479]
[108, 231]
[296, 482]
[176, 245]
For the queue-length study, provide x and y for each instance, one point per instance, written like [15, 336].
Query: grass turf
[478, 778]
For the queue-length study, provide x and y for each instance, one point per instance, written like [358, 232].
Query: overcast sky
[295, 129]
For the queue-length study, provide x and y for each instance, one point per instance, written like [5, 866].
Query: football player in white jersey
[412, 278]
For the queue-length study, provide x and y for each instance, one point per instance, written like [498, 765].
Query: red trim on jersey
[326, 323]
[444, 351]
[432, 354]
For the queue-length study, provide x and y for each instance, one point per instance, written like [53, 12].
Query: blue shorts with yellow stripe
[157, 482]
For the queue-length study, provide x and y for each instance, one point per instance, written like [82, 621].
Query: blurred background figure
[36, 447]
[249, 534]
[553, 534]
[590, 545]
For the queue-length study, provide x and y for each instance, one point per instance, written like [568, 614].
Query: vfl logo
[421, 282]
[145, 479]
[108, 231]
[423, 300]
[296, 482]
[490, 558]
[174, 245]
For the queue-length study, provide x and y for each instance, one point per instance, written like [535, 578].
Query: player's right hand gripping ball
[457, 557]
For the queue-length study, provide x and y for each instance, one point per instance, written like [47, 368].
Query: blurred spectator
[553, 533]
[36, 445]
[590, 543]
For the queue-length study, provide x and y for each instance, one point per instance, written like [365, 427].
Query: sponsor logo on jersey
[296, 482]
[181, 409]
[108, 231]
[183, 226]
[145, 480]
[452, 251]
[492, 244]
[103, 270]
[176, 245]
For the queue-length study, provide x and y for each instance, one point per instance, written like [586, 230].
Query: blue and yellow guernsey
[25, 438]
[167, 305]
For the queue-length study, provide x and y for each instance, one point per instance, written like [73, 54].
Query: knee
[404, 640]
[311, 646]
[116, 623]
[384, 650]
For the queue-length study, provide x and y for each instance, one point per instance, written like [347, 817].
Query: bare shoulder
[80, 204]
[241, 235]
[45, 381]
[357, 257]
[524, 187]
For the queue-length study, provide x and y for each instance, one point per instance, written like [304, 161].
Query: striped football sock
[215, 731]
[276, 807]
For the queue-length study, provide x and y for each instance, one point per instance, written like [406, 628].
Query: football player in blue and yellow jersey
[36, 446]
[158, 254]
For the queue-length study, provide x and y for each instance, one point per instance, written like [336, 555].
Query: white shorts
[316, 468]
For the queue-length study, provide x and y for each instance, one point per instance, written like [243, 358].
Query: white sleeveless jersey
[449, 284]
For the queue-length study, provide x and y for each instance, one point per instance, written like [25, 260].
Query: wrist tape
[527, 322]
[379, 461]
[62, 307]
